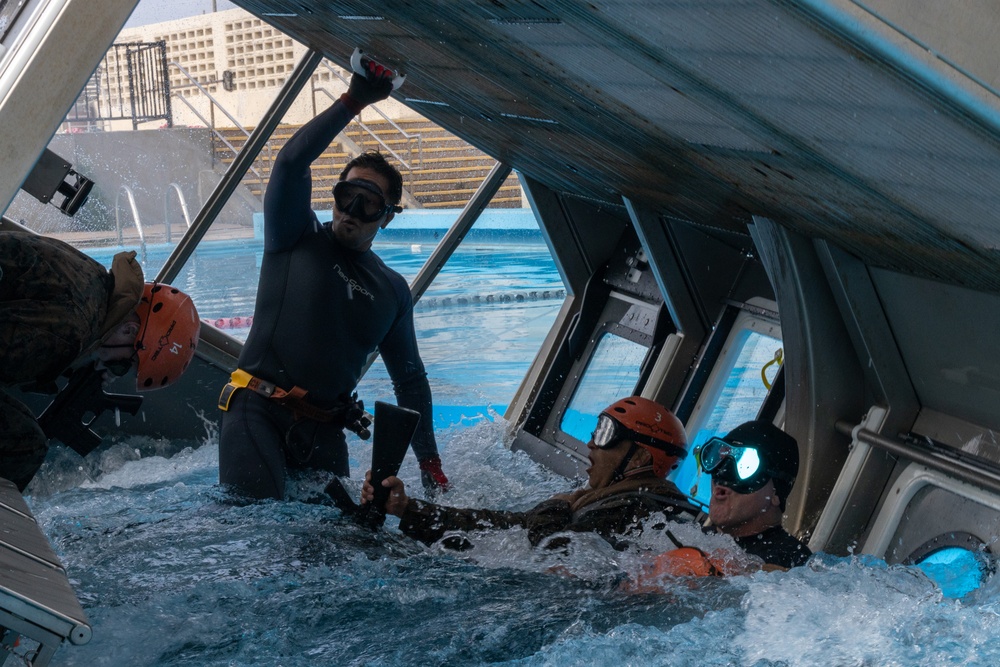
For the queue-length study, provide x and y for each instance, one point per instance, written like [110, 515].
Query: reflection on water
[172, 573]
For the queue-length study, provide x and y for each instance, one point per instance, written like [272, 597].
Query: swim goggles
[363, 200]
[610, 432]
[733, 465]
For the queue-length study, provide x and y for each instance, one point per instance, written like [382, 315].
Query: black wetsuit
[321, 310]
[775, 546]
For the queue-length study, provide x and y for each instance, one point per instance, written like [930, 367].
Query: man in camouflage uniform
[636, 443]
[60, 309]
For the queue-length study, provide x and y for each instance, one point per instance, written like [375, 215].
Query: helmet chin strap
[619, 473]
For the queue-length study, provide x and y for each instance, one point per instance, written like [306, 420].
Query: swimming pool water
[172, 573]
[478, 325]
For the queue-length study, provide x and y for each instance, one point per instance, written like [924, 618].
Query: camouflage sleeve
[547, 518]
[127, 290]
[53, 299]
[428, 522]
[623, 515]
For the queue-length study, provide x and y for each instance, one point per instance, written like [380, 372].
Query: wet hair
[376, 162]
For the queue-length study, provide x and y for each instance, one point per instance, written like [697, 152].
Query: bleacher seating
[439, 170]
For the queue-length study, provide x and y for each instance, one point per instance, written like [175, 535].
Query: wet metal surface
[813, 113]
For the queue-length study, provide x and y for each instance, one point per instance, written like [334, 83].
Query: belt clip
[238, 380]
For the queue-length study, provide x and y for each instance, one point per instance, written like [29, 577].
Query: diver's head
[633, 436]
[365, 200]
[749, 456]
[168, 328]
[376, 162]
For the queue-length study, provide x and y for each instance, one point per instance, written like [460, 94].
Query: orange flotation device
[683, 562]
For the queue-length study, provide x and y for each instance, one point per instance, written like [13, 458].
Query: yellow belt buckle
[238, 380]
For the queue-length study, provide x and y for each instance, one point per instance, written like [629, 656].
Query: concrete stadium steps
[326, 167]
[444, 171]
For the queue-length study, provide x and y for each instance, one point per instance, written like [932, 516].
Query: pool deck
[153, 235]
[411, 223]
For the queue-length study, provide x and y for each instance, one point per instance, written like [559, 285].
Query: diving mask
[363, 200]
[737, 466]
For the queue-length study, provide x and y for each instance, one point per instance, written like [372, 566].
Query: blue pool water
[172, 573]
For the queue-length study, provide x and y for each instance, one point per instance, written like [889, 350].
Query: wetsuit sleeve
[288, 200]
[409, 379]
[428, 522]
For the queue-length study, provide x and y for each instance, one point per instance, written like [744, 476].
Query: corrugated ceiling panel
[703, 106]
[624, 82]
[872, 128]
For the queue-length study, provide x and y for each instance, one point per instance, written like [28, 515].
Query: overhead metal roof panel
[813, 113]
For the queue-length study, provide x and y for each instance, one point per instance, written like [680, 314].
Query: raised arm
[288, 199]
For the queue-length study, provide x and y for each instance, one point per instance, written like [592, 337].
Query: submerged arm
[428, 522]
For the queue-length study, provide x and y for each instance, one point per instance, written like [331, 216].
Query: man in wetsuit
[753, 469]
[636, 443]
[61, 311]
[325, 302]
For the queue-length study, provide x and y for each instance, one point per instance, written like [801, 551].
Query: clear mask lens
[747, 462]
[606, 432]
[739, 468]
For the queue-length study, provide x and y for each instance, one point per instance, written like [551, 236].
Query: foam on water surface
[173, 572]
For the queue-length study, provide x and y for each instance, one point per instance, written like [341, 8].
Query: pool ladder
[130, 196]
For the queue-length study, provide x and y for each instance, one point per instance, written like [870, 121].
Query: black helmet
[779, 452]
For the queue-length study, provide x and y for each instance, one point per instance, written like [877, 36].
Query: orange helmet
[168, 335]
[649, 425]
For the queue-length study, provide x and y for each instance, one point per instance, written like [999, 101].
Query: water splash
[173, 572]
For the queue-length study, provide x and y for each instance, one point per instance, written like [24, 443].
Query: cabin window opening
[957, 571]
[487, 300]
[734, 394]
[612, 373]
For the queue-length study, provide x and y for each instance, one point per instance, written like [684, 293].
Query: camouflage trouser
[53, 300]
[22, 443]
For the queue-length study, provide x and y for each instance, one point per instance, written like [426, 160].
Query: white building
[208, 49]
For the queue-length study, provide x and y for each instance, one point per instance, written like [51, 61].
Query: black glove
[374, 87]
